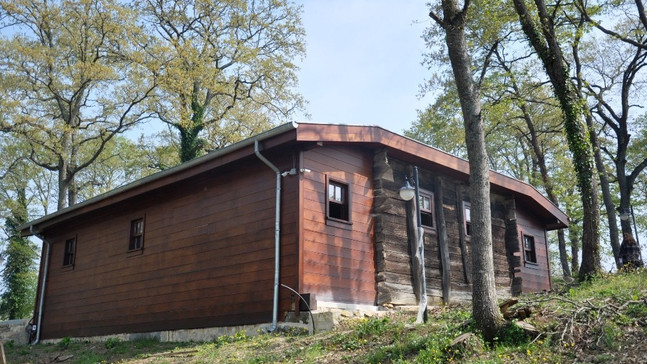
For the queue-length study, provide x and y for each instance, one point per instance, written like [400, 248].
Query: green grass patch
[594, 322]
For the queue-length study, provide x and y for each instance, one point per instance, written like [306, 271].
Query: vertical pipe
[277, 235]
[633, 217]
[42, 290]
[417, 202]
[420, 236]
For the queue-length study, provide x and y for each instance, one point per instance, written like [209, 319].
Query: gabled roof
[397, 145]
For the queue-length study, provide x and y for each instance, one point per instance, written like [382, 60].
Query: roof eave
[35, 227]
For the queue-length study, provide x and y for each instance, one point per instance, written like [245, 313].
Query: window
[338, 204]
[529, 252]
[136, 234]
[70, 251]
[427, 210]
[468, 218]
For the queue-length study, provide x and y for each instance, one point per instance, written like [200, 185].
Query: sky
[363, 63]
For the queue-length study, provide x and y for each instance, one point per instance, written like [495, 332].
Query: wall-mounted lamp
[624, 215]
[407, 192]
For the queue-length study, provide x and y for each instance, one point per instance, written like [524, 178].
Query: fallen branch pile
[590, 321]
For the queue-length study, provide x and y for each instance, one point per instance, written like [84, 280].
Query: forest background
[359, 62]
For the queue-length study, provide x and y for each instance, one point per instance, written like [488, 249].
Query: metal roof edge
[494, 175]
[159, 175]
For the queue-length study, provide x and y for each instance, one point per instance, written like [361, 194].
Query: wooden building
[196, 246]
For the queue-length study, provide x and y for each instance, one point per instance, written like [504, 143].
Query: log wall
[395, 281]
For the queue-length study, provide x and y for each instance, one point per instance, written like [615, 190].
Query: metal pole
[420, 236]
[633, 217]
[417, 202]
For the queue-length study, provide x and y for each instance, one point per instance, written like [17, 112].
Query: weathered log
[442, 240]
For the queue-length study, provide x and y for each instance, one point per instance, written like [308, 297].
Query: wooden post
[512, 246]
[461, 235]
[417, 250]
[441, 228]
[3, 360]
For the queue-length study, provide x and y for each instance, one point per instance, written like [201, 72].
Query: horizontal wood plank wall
[338, 258]
[535, 277]
[392, 251]
[207, 260]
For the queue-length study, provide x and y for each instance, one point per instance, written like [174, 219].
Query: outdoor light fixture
[407, 192]
[624, 215]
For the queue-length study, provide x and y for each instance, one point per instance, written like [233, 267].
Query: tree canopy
[224, 70]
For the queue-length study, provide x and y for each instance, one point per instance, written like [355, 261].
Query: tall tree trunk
[563, 255]
[484, 299]
[574, 237]
[607, 199]
[190, 143]
[599, 164]
[544, 40]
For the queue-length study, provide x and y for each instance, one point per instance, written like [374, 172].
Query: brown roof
[399, 146]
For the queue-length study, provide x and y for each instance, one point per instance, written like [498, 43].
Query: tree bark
[484, 299]
[599, 164]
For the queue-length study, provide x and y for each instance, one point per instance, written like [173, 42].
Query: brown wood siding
[535, 277]
[208, 257]
[338, 258]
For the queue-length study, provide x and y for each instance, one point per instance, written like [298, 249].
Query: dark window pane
[338, 207]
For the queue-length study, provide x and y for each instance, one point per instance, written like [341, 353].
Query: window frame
[345, 203]
[467, 219]
[134, 235]
[529, 253]
[69, 253]
[431, 212]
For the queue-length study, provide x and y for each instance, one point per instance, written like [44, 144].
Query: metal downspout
[277, 235]
[42, 288]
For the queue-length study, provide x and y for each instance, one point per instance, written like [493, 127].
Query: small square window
[529, 253]
[338, 206]
[468, 218]
[427, 209]
[136, 234]
[70, 252]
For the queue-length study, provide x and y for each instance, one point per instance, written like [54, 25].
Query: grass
[600, 321]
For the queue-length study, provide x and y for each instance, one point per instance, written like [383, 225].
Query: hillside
[602, 321]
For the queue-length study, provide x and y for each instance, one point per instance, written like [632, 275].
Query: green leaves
[229, 67]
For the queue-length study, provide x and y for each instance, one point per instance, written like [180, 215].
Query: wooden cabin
[195, 246]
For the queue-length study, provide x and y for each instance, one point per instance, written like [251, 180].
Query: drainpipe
[42, 288]
[277, 235]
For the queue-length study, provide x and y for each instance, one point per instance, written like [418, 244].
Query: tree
[122, 161]
[540, 31]
[19, 274]
[522, 122]
[70, 75]
[484, 300]
[615, 90]
[224, 69]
